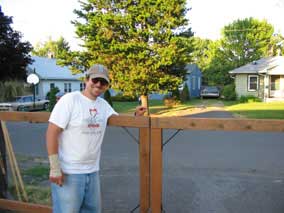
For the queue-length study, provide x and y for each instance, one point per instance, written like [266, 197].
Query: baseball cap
[98, 71]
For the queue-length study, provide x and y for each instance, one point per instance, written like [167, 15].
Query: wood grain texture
[156, 170]
[23, 207]
[218, 124]
[144, 161]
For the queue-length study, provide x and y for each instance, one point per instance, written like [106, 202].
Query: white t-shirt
[84, 122]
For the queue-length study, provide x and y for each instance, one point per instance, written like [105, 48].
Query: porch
[276, 86]
[273, 88]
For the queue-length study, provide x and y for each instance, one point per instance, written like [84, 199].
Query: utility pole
[33, 79]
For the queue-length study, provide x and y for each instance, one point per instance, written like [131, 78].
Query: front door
[276, 86]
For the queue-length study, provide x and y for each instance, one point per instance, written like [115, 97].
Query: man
[74, 136]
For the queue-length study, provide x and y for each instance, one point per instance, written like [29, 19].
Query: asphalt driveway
[212, 114]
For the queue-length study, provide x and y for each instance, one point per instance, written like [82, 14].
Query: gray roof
[47, 69]
[259, 66]
[192, 67]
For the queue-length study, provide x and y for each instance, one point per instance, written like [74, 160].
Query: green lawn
[158, 107]
[129, 107]
[124, 107]
[259, 110]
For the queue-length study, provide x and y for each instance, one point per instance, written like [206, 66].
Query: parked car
[210, 92]
[25, 103]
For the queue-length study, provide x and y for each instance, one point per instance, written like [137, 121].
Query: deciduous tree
[51, 48]
[14, 54]
[242, 42]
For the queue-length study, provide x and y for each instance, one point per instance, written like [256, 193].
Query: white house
[263, 78]
[52, 75]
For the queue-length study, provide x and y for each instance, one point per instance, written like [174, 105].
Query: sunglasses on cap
[102, 81]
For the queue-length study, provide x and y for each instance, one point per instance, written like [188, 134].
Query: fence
[150, 149]
[158, 124]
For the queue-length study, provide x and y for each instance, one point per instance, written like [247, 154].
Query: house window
[82, 86]
[67, 87]
[252, 83]
[275, 82]
[199, 83]
[193, 82]
[52, 85]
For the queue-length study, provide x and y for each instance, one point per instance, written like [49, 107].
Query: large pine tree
[141, 42]
[14, 54]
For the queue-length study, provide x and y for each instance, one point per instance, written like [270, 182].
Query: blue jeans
[79, 193]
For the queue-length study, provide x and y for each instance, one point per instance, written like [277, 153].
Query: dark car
[210, 92]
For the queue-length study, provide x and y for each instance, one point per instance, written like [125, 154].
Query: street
[204, 171]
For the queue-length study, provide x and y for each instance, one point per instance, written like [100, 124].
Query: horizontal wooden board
[33, 117]
[42, 117]
[218, 124]
[129, 121]
[23, 207]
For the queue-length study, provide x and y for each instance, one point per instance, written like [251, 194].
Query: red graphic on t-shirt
[93, 114]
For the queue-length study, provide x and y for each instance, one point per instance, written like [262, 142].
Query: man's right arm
[52, 134]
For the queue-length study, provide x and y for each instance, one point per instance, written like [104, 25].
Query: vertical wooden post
[3, 166]
[156, 170]
[145, 103]
[144, 153]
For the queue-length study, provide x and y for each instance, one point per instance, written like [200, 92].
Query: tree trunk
[145, 103]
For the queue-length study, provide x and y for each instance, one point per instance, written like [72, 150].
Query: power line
[242, 30]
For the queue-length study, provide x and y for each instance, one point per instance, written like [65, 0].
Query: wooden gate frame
[143, 123]
[212, 124]
[150, 148]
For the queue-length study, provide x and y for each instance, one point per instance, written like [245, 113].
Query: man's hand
[59, 180]
[140, 110]
[55, 175]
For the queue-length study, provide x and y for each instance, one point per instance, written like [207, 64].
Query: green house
[263, 78]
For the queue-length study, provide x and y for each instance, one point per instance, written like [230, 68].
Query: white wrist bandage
[55, 170]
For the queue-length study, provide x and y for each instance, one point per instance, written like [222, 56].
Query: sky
[38, 20]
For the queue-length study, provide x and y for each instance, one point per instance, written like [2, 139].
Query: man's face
[96, 86]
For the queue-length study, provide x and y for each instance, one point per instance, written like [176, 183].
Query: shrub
[185, 96]
[249, 99]
[229, 92]
[107, 97]
[170, 101]
[123, 98]
[243, 99]
[11, 89]
[51, 95]
[176, 94]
